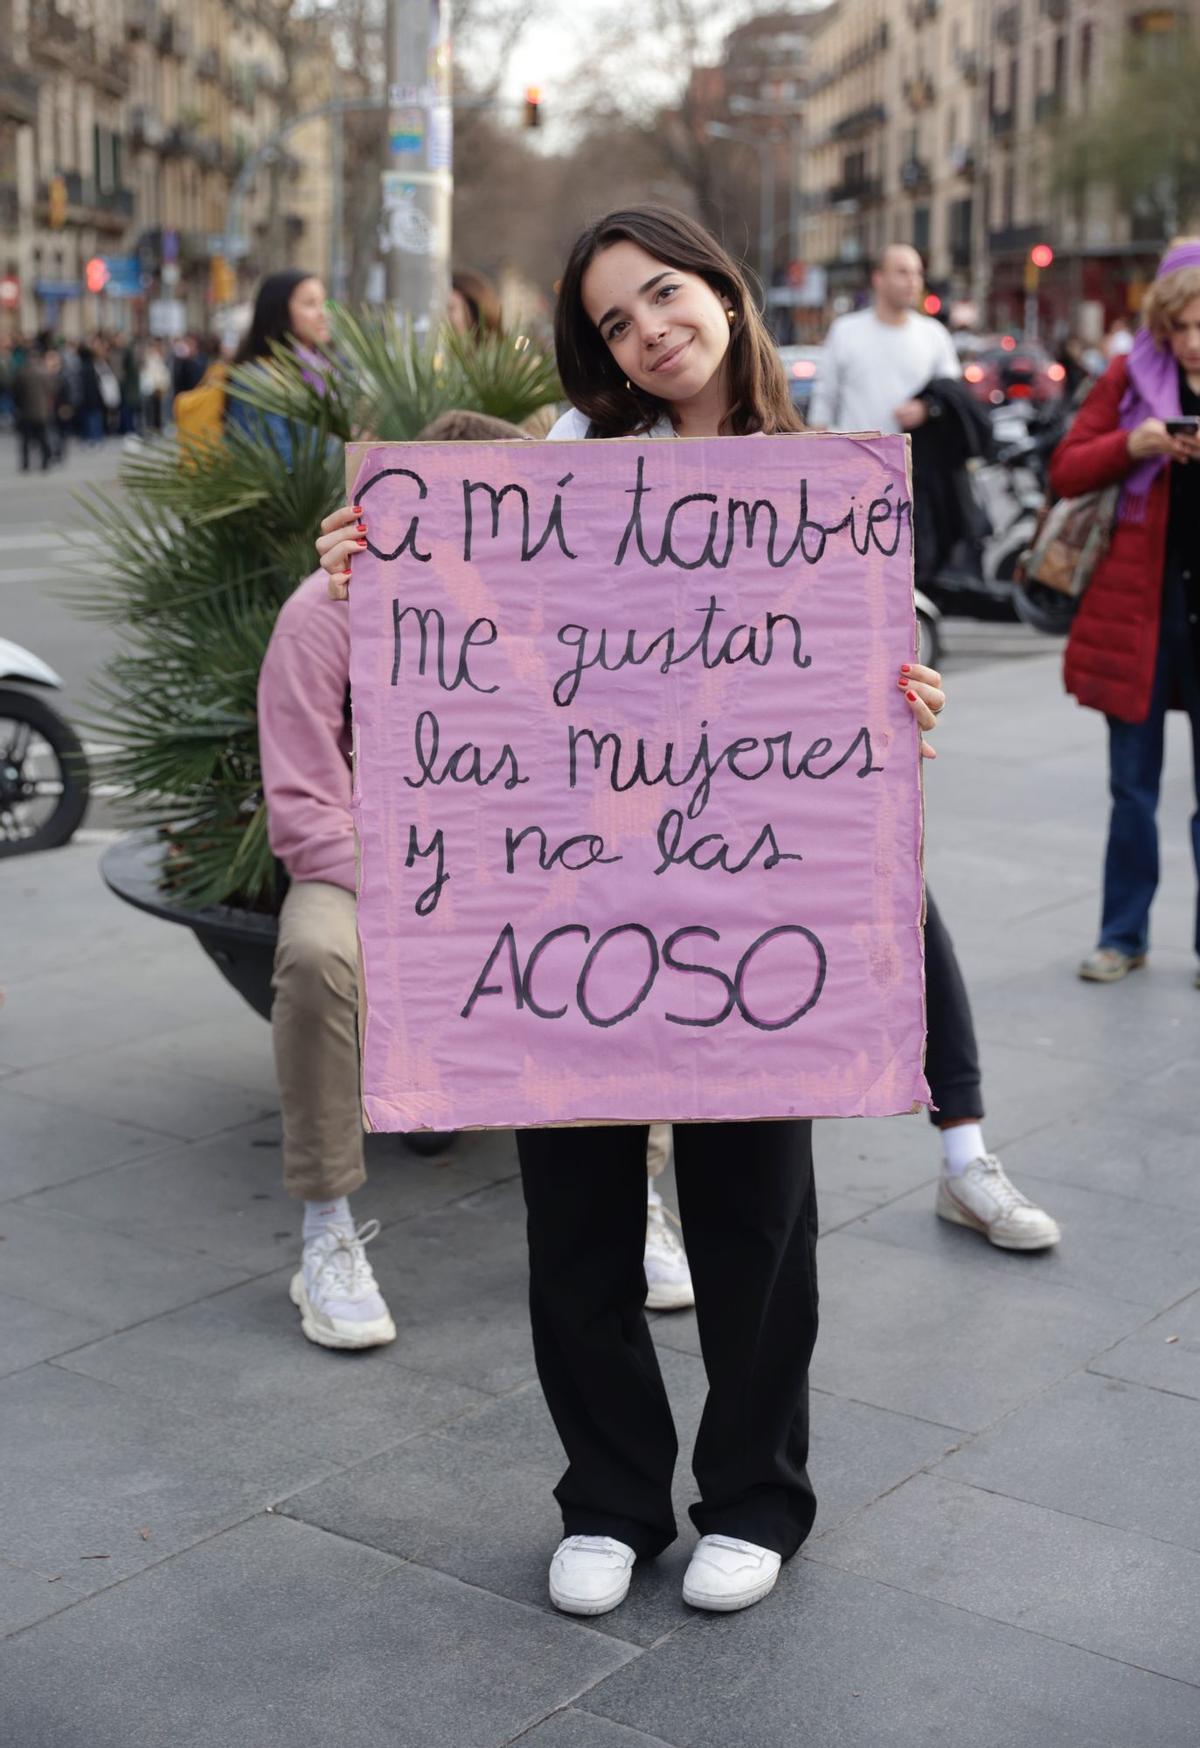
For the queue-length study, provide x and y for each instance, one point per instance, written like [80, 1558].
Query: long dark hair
[270, 322]
[595, 383]
[481, 299]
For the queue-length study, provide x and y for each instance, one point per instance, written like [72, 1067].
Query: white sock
[960, 1146]
[652, 1196]
[331, 1216]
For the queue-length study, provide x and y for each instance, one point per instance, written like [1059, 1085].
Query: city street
[215, 1534]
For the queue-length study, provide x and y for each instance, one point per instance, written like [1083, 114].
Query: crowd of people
[54, 392]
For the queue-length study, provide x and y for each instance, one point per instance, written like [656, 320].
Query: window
[920, 229]
[1060, 65]
[1086, 40]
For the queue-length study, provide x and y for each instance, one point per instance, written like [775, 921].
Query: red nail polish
[911, 696]
[905, 668]
[357, 508]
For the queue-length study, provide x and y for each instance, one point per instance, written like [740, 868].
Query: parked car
[801, 364]
[1009, 370]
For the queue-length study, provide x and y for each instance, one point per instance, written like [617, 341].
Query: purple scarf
[1152, 393]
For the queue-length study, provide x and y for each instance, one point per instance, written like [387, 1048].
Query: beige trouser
[314, 1023]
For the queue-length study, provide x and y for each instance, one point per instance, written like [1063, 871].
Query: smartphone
[1186, 427]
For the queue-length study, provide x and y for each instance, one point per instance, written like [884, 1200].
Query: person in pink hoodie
[304, 739]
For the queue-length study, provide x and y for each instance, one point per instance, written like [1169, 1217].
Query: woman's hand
[1151, 438]
[922, 688]
[343, 533]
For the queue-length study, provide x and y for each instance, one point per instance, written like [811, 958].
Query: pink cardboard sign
[638, 795]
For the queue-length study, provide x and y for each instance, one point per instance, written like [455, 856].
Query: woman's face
[458, 313]
[1185, 337]
[306, 313]
[667, 330]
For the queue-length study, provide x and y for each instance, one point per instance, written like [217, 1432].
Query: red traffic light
[96, 275]
[933, 303]
[533, 106]
[1041, 255]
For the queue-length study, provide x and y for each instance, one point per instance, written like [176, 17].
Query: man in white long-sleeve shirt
[876, 361]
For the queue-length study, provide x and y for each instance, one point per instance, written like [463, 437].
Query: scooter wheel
[41, 761]
[931, 641]
[1047, 610]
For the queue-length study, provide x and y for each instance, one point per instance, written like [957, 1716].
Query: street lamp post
[719, 130]
[417, 183]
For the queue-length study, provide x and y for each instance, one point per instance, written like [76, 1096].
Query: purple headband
[1183, 255]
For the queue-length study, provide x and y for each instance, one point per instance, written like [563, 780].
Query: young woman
[657, 335]
[288, 310]
[1134, 649]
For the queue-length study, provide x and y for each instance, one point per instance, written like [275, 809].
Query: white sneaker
[590, 1574]
[337, 1294]
[983, 1198]
[668, 1277]
[726, 1574]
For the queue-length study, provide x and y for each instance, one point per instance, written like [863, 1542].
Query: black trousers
[749, 1214]
[951, 1054]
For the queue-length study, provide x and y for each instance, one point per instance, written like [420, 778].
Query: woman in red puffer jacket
[1134, 649]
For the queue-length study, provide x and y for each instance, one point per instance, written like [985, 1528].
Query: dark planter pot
[240, 943]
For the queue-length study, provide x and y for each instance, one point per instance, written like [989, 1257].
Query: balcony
[1055, 9]
[915, 174]
[1007, 23]
[970, 65]
[178, 141]
[111, 73]
[962, 161]
[207, 151]
[208, 66]
[18, 94]
[104, 209]
[295, 224]
[50, 29]
[1002, 122]
[174, 38]
[859, 121]
[861, 190]
[141, 19]
[920, 11]
[145, 126]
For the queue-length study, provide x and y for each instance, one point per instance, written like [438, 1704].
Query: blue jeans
[1135, 757]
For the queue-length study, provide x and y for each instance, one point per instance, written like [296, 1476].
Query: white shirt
[868, 367]
[575, 424]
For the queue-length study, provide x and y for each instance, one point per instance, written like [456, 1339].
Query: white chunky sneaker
[726, 1574]
[337, 1294]
[983, 1198]
[590, 1574]
[668, 1277]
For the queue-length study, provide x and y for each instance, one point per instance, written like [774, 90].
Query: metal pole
[418, 183]
[337, 208]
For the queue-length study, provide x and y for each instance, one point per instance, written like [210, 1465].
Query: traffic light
[533, 106]
[58, 202]
[96, 274]
[1041, 255]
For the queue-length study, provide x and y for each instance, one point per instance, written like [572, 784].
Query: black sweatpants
[951, 1054]
[749, 1214]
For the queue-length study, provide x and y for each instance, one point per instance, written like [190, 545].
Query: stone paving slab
[276, 1634]
[959, 1347]
[1126, 1596]
[181, 1107]
[1099, 1448]
[238, 1359]
[46, 1144]
[103, 1277]
[29, 1332]
[838, 1659]
[1163, 1354]
[572, 1729]
[1147, 1260]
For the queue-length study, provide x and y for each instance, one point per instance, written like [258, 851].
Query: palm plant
[193, 563]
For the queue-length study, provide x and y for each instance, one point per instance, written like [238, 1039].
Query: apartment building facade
[123, 127]
[933, 122]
